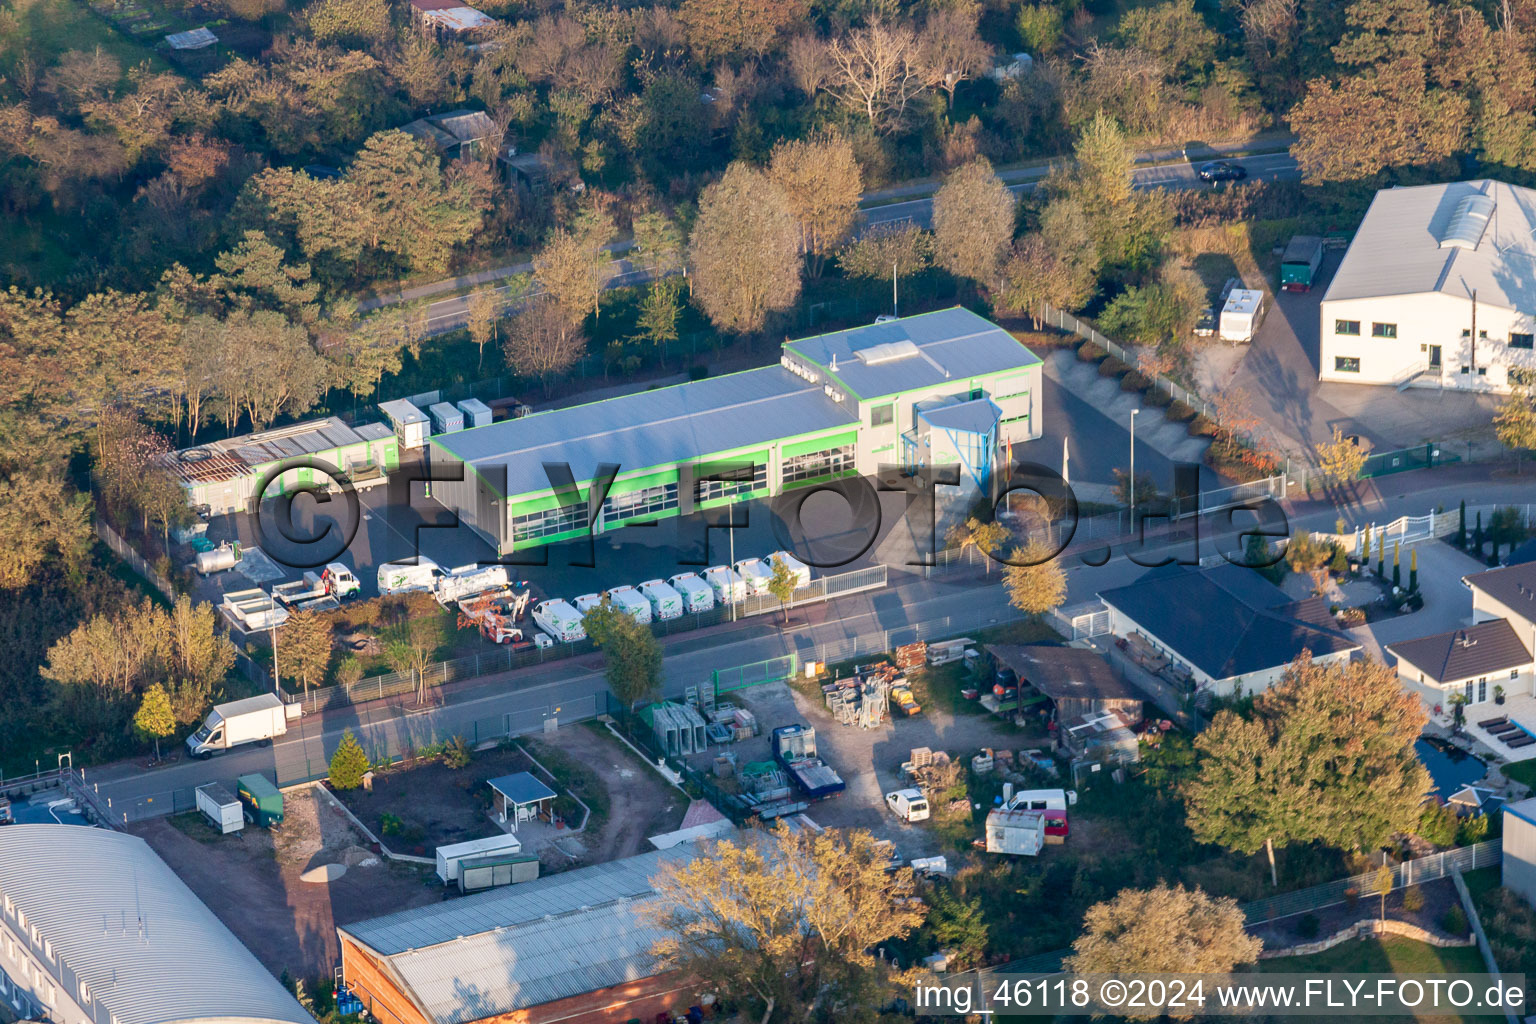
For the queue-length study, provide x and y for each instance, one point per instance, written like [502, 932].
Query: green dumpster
[260, 800]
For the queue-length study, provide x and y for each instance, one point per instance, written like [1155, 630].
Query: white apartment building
[1430, 266]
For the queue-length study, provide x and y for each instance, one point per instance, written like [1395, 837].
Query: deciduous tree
[154, 719]
[885, 249]
[1035, 582]
[782, 584]
[744, 250]
[541, 342]
[949, 50]
[735, 29]
[1341, 459]
[821, 181]
[1515, 424]
[483, 311]
[973, 219]
[986, 538]
[631, 655]
[1165, 929]
[304, 644]
[788, 921]
[875, 72]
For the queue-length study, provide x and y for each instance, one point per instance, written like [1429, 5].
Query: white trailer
[252, 720]
[726, 583]
[559, 620]
[221, 807]
[800, 569]
[469, 580]
[1242, 314]
[1021, 833]
[630, 600]
[449, 857]
[755, 573]
[407, 577]
[697, 595]
[666, 603]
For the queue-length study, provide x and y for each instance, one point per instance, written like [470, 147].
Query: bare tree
[809, 67]
[949, 51]
[875, 72]
[541, 341]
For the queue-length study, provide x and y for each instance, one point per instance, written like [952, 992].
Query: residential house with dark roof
[1222, 630]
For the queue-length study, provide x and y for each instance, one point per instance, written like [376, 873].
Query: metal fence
[1410, 872]
[505, 659]
[120, 547]
[1064, 321]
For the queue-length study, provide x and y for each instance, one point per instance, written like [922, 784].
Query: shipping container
[260, 800]
[1021, 833]
[476, 413]
[411, 425]
[449, 857]
[446, 418]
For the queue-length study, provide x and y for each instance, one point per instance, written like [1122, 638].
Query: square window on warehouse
[811, 465]
[635, 504]
[560, 519]
[710, 490]
[1383, 330]
[1346, 364]
[1350, 328]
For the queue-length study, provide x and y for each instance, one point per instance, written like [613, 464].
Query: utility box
[221, 808]
[260, 801]
[1298, 265]
[1242, 314]
[476, 413]
[446, 418]
[410, 424]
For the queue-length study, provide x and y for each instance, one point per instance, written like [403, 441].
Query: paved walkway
[1153, 428]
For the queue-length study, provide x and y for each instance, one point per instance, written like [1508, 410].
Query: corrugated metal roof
[670, 425]
[526, 944]
[150, 951]
[1412, 242]
[459, 19]
[952, 345]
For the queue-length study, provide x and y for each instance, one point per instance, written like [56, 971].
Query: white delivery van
[666, 603]
[559, 620]
[908, 804]
[586, 602]
[253, 720]
[1242, 314]
[726, 583]
[408, 577]
[696, 594]
[755, 573]
[800, 569]
[1042, 800]
[629, 600]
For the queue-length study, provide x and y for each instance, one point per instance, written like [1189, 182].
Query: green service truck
[1298, 265]
[260, 801]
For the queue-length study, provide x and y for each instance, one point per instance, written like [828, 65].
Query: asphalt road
[451, 313]
[1267, 167]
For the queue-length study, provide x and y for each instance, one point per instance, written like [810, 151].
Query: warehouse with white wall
[1430, 267]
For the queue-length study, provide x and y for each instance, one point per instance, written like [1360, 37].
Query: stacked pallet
[911, 655]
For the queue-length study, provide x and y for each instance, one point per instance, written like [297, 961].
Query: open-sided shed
[521, 797]
[1076, 681]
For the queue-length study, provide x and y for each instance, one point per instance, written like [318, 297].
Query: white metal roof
[1243, 300]
[121, 920]
[1452, 238]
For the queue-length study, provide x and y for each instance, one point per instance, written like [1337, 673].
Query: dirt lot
[437, 805]
[869, 759]
[250, 880]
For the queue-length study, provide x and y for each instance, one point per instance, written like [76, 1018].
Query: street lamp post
[730, 567]
[1133, 467]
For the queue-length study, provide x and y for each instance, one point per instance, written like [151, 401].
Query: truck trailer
[221, 807]
[794, 747]
[1298, 265]
[253, 720]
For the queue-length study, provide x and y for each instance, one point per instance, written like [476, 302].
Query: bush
[1178, 412]
[1308, 926]
[1437, 824]
[1088, 352]
[457, 754]
[1202, 426]
[1413, 899]
[348, 763]
[1472, 829]
[1157, 398]
[390, 825]
[1112, 367]
[1134, 381]
[1454, 920]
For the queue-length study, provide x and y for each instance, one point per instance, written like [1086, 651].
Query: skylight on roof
[1468, 223]
[887, 352]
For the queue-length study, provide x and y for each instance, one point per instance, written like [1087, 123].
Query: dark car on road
[1222, 170]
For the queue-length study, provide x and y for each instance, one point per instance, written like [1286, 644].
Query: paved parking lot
[1279, 372]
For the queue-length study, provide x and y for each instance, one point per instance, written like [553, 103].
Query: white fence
[1405, 531]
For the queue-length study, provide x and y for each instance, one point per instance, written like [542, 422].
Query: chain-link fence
[1064, 321]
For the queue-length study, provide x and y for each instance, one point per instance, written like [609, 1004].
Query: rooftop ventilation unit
[887, 352]
[1468, 222]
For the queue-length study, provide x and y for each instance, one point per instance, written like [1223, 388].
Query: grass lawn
[50, 27]
[1521, 771]
[1391, 955]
